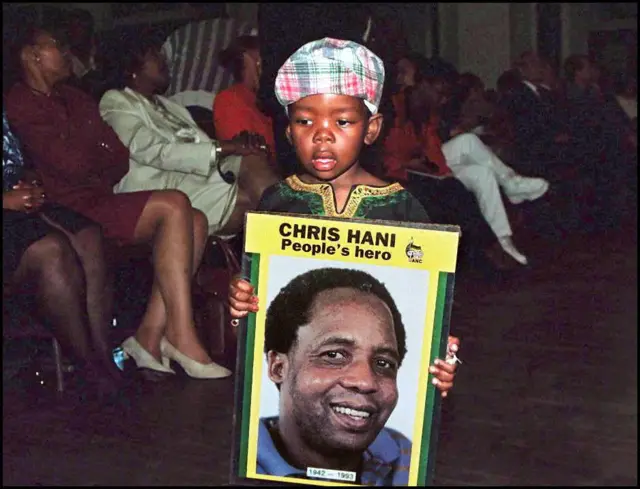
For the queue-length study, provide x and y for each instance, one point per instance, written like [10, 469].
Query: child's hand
[241, 298]
[444, 372]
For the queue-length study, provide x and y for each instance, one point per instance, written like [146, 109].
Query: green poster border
[433, 399]
[245, 363]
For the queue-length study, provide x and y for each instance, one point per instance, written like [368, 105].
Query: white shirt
[532, 87]
[629, 105]
[79, 68]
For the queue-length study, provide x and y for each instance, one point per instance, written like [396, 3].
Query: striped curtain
[191, 52]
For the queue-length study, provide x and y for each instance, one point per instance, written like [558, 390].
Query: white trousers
[481, 172]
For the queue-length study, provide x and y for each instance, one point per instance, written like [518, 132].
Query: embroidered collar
[356, 195]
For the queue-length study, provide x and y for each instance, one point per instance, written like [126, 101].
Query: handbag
[211, 303]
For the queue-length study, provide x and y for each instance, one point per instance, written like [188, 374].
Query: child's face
[328, 131]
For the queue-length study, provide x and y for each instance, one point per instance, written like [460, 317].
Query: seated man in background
[444, 197]
[540, 135]
[463, 154]
[602, 135]
[81, 37]
[593, 114]
[169, 151]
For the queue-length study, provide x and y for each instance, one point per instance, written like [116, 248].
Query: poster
[332, 383]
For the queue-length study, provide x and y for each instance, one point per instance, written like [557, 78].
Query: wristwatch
[216, 152]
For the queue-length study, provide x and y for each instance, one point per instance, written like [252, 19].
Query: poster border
[246, 358]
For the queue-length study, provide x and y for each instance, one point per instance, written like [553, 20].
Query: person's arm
[149, 148]
[432, 148]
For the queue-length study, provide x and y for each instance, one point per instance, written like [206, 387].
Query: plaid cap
[331, 66]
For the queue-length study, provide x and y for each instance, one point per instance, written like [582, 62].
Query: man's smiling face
[338, 381]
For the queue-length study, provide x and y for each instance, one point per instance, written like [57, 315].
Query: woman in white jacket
[169, 151]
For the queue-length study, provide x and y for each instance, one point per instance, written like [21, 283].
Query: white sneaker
[507, 245]
[519, 188]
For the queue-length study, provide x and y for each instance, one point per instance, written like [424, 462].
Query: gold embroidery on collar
[357, 194]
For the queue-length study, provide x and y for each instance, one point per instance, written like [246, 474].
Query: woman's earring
[134, 76]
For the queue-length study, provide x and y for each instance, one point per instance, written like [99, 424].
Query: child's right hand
[242, 301]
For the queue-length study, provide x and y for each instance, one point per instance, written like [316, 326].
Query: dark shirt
[536, 122]
[594, 116]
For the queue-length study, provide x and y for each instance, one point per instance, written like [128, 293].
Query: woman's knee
[53, 255]
[474, 174]
[469, 139]
[172, 201]
[91, 240]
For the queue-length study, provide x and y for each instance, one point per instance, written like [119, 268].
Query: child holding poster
[331, 90]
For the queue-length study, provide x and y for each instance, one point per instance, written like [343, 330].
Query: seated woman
[465, 156]
[235, 109]
[169, 151]
[57, 254]
[80, 159]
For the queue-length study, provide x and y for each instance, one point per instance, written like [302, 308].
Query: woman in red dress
[235, 109]
[79, 159]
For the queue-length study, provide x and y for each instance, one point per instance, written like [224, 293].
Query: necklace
[59, 100]
[40, 92]
[169, 117]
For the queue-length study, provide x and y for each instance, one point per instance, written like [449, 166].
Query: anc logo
[413, 252]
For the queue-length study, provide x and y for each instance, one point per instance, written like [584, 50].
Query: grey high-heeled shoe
[193, 369]
[143, 359]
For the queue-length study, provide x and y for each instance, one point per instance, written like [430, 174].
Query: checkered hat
[331, 66]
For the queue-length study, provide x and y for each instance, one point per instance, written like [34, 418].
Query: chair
[29, 327]
[25, 325]
[204, 118]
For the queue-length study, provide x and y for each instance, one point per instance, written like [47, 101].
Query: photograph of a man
[334, 341]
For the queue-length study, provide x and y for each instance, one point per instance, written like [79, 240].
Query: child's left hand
[443, 372]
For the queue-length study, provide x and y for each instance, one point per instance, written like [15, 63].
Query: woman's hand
[244, 144]
[242, 300]
[444, 371]
[24, 197]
